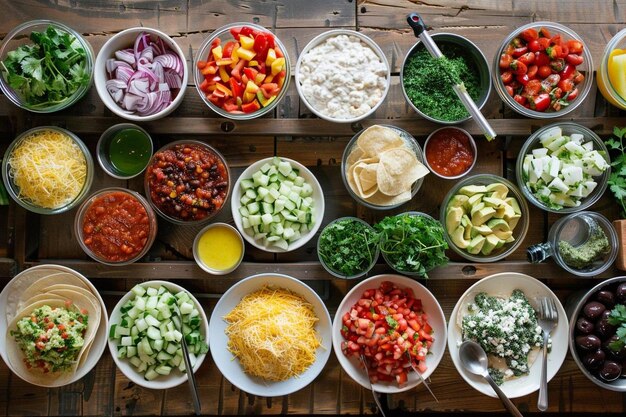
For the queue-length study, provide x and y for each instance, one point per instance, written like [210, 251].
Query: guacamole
[51, 337]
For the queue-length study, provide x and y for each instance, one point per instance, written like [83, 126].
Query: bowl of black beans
[598, 334]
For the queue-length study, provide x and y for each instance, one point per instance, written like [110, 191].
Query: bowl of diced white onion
[563, 168]
[277, 204]
[145, 338]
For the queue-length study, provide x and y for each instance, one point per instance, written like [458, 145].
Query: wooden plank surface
[292, 131]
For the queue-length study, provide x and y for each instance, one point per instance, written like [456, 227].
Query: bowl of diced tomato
[543, 70]
[242, 71]
[387, 319]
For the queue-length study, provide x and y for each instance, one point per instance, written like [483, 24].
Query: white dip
[342, 77]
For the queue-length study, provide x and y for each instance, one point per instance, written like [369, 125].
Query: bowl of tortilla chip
[54, 326]
[383, 167]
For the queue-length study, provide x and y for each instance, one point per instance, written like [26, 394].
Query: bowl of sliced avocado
[485, 218]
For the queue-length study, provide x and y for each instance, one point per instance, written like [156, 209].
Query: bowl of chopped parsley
[427, 82]
[412, 243]
[348, 247]
[45, 66]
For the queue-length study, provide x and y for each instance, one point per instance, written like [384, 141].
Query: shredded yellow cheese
[48, 168]
[272, 333]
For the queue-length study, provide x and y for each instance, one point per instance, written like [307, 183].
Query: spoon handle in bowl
[505, 400]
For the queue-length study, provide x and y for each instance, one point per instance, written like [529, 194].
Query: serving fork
[374, 393]
[548, 318]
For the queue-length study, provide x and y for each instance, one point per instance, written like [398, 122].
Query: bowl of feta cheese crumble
[342, 76]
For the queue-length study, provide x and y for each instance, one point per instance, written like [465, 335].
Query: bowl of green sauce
[124, 150]
[427, 82]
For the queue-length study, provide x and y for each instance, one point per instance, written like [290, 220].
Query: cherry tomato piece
[574, 59]
[573, 94]
[520, 99]
[575, 47]
[529, 34]
[532, 71]
[528, 58]
[519, 68]
[566, 85]
[532, 88]
[540, 102]
[505, 61]
[534, 46]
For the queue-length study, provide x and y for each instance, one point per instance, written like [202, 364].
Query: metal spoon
[474, 360]
[419, 28]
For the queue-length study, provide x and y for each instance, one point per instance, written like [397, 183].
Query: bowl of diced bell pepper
[242, 71]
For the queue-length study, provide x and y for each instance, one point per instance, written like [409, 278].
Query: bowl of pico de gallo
[383, 318]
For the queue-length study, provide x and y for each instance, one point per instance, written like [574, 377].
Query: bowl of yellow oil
[218, 248]
[124, 150]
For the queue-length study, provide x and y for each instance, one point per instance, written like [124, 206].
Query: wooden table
[27, 239]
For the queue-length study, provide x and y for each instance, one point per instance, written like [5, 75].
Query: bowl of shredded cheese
[47, 170]
[270, 335]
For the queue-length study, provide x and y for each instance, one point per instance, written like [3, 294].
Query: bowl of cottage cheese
[342, 76]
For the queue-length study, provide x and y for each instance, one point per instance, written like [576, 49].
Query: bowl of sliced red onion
[140, 74]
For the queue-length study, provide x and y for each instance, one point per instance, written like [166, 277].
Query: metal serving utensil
[374, 393]
[548, 318]
[419, 375]
[191, 378]
[419, 28]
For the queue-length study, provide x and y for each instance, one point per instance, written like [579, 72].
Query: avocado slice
[473, 200]
[511, 201]
[498, 190]
[470, 190]
[476, 244]
[476, 208]
[493, 201]
[500, 243]
[483, 215]
[513, 220]
[458, 239]
[509, 212]
[453, 218]
[459, 200]
[468, 232]
[509, 239]
[483, 229]
[498, 224]
[465, 221]
[504, 235]
[491, 241]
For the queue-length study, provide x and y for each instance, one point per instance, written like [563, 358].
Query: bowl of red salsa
[187, 182]
[450, 152]
[115, 226]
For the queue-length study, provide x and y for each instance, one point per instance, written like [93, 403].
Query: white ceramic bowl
[503, 284]
[435, 318]
[322, 38]
[25, 279]
[230, 367]
[318, 198]
[126, 39]
[176, 377]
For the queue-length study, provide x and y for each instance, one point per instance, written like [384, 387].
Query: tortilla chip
[377, 139]
[364, 177]
[398, 170]
[384, 200]
[355, 154]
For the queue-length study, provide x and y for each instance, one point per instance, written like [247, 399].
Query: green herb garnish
[49, 71]
[413, 243]
[618, 318]
[391, 322]
[617, 179]
[348, 247]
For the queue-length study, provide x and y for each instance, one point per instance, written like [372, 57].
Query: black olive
[620, 293]
[593, 310]
[610, 371]
[606, 297]
[588, 342]
[604, 329]
[584, 326]
[594, 360]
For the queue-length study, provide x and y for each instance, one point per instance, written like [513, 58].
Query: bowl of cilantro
[348, 247]
[412, 243]
[46, 66]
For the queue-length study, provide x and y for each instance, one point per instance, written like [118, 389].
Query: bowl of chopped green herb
[46, 66]
[412, 243]
[427, 82]
[348, 247]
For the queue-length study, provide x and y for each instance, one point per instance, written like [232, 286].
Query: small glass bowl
[586, 68]
[472, 143]
[104, 144]
[576, 229]
[338, 274]
[148, 174]
[568, 128]
[196, 250]
[603, 78]
[126, 39]
[20, 35]
[479, 61]
[409, 141]
[82, 211]
[14, 191]
[520, 230]
[322, 38]
[225, 36]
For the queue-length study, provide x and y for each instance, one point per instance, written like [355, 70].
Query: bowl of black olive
[598, 334]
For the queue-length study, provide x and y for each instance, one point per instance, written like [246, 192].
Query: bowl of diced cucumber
[563, 168]
[277, 204]
[146, 329]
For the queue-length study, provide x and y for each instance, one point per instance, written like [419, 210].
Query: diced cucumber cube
[266, 218]
[247, 184]
[138, 290]
[253, 208]
[284, 168]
